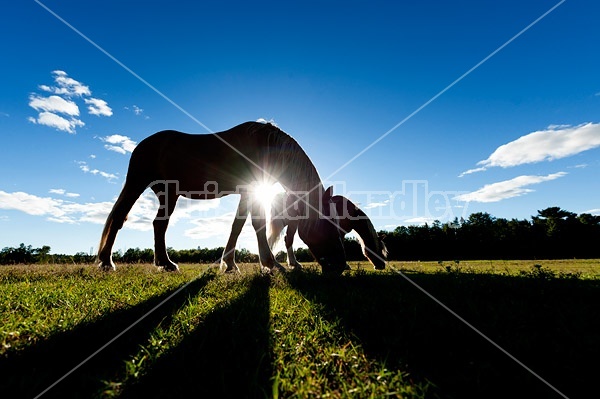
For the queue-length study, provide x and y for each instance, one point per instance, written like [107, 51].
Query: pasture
[365, 334]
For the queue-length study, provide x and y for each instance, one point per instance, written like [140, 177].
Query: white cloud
[140, 217]
[468, 172]
[118, 143]
[137, 111]
[61, 191]
[98, 107]
[53, 104]
[420, 220]
[144, 211]
[556, 142]
[86, 169]
[377, 204]
[55, 210]
[30, 204]
[57, 122]
[61, 102]
[506, 189]
[66, 86]
[217, 226]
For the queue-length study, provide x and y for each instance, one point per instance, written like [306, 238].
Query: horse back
[228, 159]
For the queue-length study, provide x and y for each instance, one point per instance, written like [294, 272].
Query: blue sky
[519, 133]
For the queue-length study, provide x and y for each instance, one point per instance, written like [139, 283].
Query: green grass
[365, 334]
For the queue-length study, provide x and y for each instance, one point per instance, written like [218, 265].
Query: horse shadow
[227, 356]
[551, 326]
[32, 370]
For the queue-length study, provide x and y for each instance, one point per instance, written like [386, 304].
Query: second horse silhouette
[349, 217]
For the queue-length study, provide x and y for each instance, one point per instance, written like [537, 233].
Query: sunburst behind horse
[207, 166]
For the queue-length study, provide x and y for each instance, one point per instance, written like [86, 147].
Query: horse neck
[306, 185]
[367, 233]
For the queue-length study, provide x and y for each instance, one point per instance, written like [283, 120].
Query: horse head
[323, 238]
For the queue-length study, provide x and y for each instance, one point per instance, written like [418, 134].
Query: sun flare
[265, 192]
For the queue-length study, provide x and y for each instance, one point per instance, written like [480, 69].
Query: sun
[265, 192]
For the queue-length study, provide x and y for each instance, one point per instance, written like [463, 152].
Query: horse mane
[291, 165]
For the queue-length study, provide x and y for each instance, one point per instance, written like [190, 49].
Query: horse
[349, 217]
[208, 166]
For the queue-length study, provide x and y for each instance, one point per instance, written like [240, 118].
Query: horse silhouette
[349, 217]
[208, 166]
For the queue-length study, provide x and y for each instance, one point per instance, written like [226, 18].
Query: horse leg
[259, 222]
[167, 198]
[241, 215]
[289, 241]
[114, 223]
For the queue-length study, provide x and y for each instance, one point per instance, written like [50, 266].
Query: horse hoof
[107, 267]
[169, 267]
[278, 268]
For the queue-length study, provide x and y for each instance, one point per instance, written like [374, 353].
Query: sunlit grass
[295, 334]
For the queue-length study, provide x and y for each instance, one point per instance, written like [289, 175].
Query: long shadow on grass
[227, 356]
[550, 324]
[32, 370]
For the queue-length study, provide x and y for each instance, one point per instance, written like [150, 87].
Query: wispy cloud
[377, 204]
[66, 86]
[556, 142]
[137, 111]
[61, 191]
[59, 110]
[506, 189]
[98, 107]
[118, 143]
[86, 169]
[140, 217]
[420, 220]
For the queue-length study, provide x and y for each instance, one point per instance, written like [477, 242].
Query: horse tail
[277, 222]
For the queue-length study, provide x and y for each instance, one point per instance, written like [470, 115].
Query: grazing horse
[208, 166]
[349, 217]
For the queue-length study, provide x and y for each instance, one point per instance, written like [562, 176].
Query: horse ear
[382, 236]
[328, 193]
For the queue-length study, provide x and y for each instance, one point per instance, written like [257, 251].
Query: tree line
[26, 254]
[553, 233]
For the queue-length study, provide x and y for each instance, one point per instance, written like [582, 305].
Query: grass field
[365, 334]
